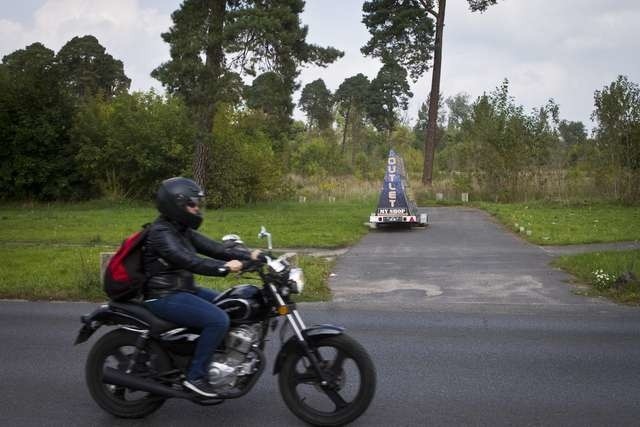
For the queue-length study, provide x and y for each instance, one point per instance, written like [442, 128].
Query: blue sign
[393, 200]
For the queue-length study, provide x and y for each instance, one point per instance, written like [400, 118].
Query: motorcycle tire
[291, 379]
[117, 400]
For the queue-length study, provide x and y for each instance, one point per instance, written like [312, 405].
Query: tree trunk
[434, 100]
[344, 131]
[213, 64]
[201, 159]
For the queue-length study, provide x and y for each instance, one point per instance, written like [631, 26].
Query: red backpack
[125, 277]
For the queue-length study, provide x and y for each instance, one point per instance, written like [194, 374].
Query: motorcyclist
[171, 253]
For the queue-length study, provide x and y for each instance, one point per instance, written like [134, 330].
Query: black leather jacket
[170, 257]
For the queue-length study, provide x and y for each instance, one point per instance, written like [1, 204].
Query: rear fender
[310, 334]
[105, 315]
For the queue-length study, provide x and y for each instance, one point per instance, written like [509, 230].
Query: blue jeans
[195, 311]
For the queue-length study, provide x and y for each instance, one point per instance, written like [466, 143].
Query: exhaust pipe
[115, 377]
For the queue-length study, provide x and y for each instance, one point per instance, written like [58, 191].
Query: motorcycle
[325, 377]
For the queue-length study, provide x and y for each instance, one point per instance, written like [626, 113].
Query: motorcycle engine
[238, 359]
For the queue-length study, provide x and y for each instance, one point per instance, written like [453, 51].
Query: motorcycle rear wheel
[344, 360]
[114, 350]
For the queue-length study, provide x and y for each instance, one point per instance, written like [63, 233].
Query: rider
[172, 245]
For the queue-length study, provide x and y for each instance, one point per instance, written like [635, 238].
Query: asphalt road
[467, 325]
[434, 368]
[463, 258]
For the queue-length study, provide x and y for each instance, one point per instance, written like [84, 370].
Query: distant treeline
[70, 129]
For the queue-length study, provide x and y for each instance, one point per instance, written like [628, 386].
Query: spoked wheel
[350, 389]
[115, 350]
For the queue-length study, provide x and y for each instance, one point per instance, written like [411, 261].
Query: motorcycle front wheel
[352, 382]
[116, 350]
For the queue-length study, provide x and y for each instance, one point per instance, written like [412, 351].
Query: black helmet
[173, 197]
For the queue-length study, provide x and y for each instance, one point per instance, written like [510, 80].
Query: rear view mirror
[264, 233]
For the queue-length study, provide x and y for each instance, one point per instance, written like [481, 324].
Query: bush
[318, 156]
[244, 167]
[128, 145]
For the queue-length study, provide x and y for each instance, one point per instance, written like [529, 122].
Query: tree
[317, 102]
[128, 144]
[388, 92]
[403, 31]
[420, 128]
[459, 110]
[617, 114]
[244, 167]
[36, 159]
[88, 70]
[268, 94]
[351, 98]
[572, 133]
[214, 41]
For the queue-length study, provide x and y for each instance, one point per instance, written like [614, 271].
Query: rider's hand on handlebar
[257, 255]
[234, 266]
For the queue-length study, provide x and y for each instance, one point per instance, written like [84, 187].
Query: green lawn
[557, 224]
[52, 251]
[601, 269]
[312, 224]
[72, 273]
[50, 272]
[560, 224]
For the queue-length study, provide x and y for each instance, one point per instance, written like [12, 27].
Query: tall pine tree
[410, 32]
[213, 42]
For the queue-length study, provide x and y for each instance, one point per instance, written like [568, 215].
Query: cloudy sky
[561, 49]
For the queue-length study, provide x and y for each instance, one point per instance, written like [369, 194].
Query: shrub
[244, 167]
[129, 144]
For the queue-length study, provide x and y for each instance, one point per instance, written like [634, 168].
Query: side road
[463, 257]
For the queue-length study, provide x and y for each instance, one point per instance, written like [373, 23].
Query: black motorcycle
[325, 377]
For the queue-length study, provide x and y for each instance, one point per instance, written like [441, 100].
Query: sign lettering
[391, 170]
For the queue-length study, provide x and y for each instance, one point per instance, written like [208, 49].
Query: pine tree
[213, 42]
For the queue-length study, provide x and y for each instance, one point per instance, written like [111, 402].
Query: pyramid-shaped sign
[394, 205]
[393, 198]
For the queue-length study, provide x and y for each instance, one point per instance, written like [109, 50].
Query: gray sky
[562, 49]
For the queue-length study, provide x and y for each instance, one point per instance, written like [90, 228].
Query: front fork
[299, 328]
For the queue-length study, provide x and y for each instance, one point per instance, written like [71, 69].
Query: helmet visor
[195, 202]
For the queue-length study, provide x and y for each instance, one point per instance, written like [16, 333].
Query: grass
[561, 224]
[50, 272]
[601, 269]
[38, 272]
[547, 223]
[312, 224]
[52, 251]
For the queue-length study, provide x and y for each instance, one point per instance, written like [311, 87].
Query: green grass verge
[601, 269]
[37, 272]
[52, 251]
[313, 224]
[558, 224]
[51, 272]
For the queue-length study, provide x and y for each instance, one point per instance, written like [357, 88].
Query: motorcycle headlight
[296, 280]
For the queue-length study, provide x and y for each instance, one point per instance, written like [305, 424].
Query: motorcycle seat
[156, 324]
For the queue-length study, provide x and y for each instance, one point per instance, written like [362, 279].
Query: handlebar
[250, 266]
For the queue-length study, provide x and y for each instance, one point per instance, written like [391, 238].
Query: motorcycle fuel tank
[242, 303]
